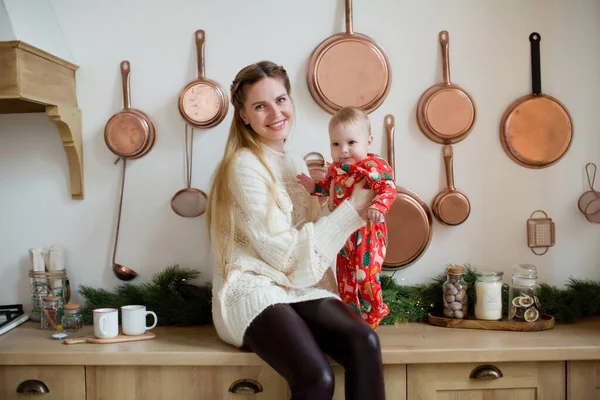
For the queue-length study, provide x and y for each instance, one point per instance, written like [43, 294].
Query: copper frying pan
[536, 130]
[349, 69]
[450, 206]
[130, 133]
[445, 112]
[203, 103]
[409, 219]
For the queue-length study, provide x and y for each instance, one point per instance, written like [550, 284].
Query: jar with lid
[71, 320]
[488, 295]
[523, 294]
[51, 312]
[455, 293]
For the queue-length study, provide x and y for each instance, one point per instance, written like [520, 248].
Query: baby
[359, 262]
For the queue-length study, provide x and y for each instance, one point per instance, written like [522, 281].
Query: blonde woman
[274, 291]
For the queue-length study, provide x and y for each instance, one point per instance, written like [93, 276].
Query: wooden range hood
[35, 81]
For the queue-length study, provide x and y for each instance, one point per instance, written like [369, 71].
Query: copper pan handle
[390, 128]
[536, 75]
[200, 39]
[587, 171]
[125, 70]
[448, 153]
[315, 153]
[349, 17]
[445, 44]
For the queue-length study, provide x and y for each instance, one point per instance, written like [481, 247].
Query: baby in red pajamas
[359, 263]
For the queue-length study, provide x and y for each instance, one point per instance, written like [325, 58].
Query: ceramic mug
[106, 323]
[134, 320]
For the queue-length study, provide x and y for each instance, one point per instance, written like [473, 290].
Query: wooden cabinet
[184, 383]
[583, 380]
[497, 381]
[54, 382]
[393, 375]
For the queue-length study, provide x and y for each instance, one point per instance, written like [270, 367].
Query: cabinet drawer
[583, 380]
[478, 381]
[57, 382]
[394, 377]
[141, 383]
[230, 383]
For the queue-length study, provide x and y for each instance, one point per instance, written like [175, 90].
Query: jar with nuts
[455, 293]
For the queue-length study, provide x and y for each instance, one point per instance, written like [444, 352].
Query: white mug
[134, 320]
[106, 323]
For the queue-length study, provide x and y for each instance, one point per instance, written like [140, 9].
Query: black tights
[293, 339]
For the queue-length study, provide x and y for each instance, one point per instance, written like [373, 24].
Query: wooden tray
[119, 339]
[544, 323]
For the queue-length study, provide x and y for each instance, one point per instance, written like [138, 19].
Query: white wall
[489, 54]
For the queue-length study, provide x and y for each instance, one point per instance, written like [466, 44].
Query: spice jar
[523, 294]
[71, 320]
[49, 318]
[488, 295]
[455, 293]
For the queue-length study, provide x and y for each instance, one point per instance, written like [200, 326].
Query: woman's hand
[361, 198]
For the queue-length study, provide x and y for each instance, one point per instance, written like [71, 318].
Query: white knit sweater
[279, 254]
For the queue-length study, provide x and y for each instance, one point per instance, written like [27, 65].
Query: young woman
[274, 291]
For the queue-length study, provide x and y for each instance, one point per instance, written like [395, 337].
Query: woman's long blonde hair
[220, 211]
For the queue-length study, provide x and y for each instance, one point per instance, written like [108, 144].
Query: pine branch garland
[177, 301]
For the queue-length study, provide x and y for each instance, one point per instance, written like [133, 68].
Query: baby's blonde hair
[349, 115]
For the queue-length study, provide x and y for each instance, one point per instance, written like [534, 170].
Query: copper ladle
[122, 272]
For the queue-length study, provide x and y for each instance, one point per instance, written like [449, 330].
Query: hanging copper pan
[409, 219]
[349, 69]
[446, 112]
[536, 130]
[317, 168]
[450, 206]
[130, 133]
[203, 103]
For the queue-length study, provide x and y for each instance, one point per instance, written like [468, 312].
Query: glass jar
[488, 295]
[50, 315]
[455, 293]
[71, 320]
[523, 294]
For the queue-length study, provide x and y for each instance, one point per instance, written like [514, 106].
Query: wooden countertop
[403, 344]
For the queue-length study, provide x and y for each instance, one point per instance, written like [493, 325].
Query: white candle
[488, 296]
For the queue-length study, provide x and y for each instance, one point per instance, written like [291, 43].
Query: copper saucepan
[349, 69]
[317, 168]
[446, 112]
[450, 206]
[130, 133]
[409, 219]
[536, 130]
[203, 103]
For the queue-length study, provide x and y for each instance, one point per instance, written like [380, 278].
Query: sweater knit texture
[280, 253]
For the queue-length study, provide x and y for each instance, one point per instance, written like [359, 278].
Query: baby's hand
[307, 182]
[375, 216]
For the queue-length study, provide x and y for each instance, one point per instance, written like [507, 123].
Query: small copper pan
[349, 69]
[450, 206]
[130, 133]
[445, 112]
[536, 130]
[317, 168]
[203, 103]
[409, 219]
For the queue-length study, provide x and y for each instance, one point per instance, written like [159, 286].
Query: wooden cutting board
[119, 339]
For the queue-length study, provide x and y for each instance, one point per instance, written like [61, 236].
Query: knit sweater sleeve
[295, 257]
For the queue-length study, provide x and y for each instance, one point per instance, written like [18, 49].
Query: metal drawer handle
[486, 372]
[245, 386]
[33, 386]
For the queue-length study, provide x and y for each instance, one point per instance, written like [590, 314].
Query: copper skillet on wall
[409, 219]
[446, 112]
[450, 206]
[130, 134]
[203, 103]
[349, 69]
[536, 130]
